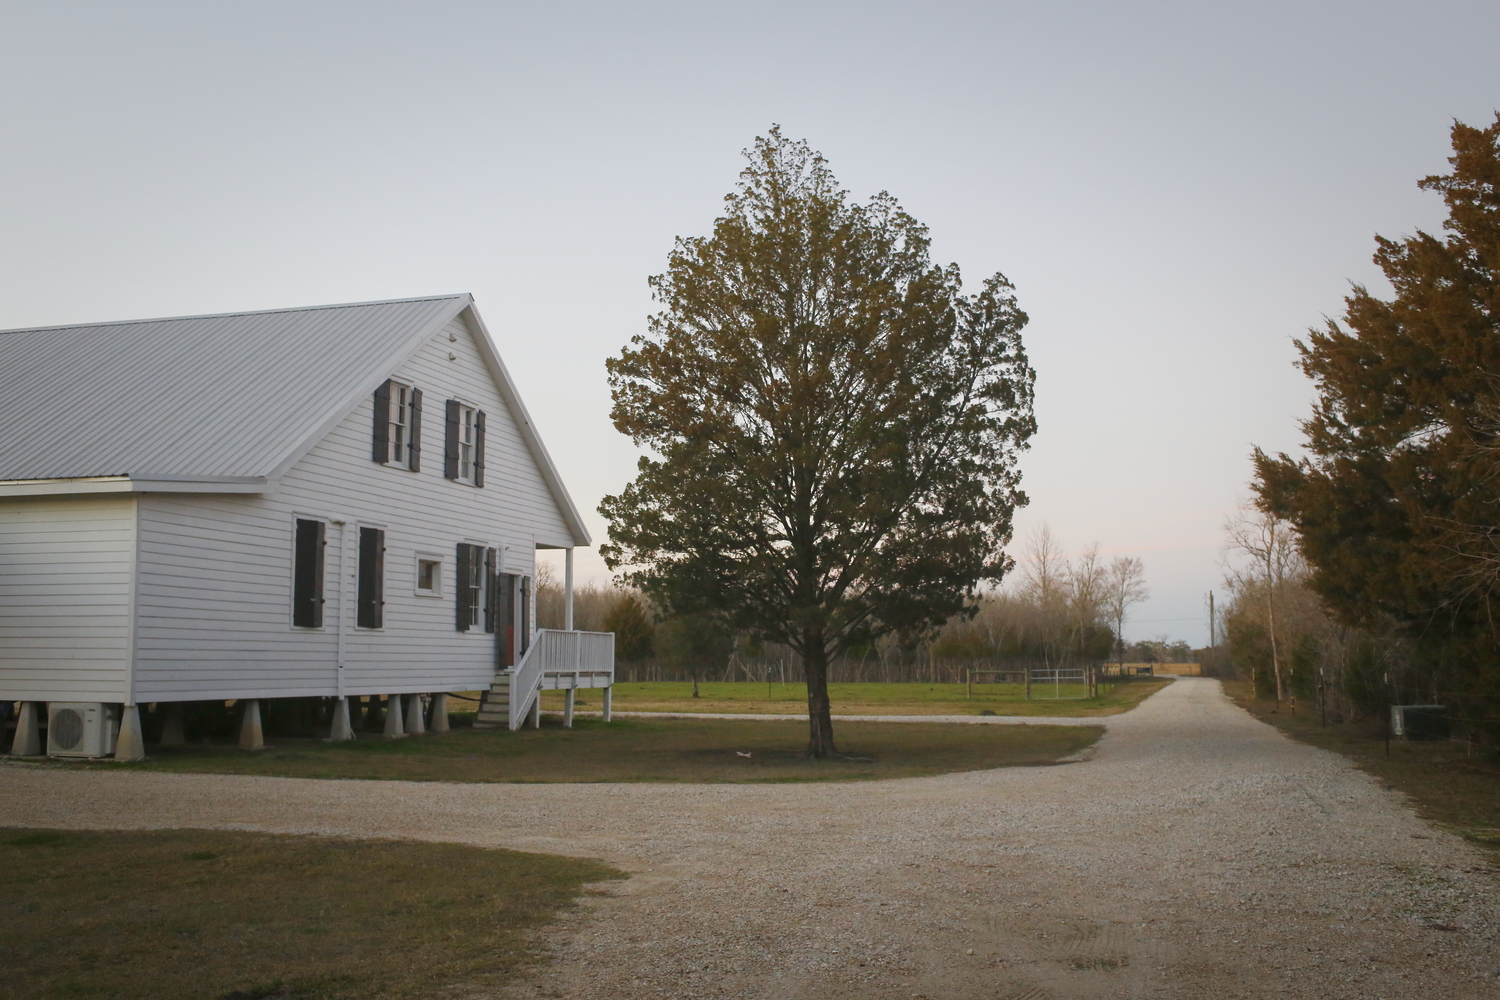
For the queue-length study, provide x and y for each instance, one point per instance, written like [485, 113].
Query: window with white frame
[398, 425]
[429, 576]
[474, 576]
[466, 442]
[400, 417]
[463, 443]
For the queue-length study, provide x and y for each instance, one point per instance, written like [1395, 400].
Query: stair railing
[525, 684]
[560, 652]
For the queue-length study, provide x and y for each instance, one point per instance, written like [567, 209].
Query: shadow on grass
[635, 750]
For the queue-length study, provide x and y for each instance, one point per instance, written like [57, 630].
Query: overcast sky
[1177, 190]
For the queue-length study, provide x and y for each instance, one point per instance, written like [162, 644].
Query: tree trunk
[819, 712]
[1271, 627]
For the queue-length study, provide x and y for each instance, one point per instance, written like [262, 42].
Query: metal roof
[222, 403]
[196, 397]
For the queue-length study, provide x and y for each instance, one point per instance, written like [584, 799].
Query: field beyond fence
[787, 669]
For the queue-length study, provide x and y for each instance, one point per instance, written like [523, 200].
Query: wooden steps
[494, 704]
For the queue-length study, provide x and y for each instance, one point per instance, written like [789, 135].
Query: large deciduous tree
[833, 424]
[1400, 478]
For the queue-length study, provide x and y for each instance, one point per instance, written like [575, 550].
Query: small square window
[429, 577]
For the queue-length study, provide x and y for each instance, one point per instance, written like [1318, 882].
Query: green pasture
[867, 698]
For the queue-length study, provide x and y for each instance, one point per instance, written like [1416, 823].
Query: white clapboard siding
[214, 593]
[65, 591]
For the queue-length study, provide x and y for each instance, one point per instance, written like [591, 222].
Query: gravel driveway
[1198, 854]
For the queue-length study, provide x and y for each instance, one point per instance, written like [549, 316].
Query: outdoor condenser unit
[80, 729]
[1420, 722]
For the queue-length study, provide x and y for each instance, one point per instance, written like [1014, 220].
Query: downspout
[343, 587]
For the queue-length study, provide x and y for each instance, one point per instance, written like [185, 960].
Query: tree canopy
[833, 424]
[1397, 494]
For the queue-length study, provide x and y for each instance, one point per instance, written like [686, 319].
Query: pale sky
[1177, 190]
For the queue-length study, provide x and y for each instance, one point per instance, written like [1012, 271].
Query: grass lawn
[212, 915]
[1447, 783]
[865, 699]
[638, 750]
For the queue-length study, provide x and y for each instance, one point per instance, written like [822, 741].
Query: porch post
[28, 733]
[342, 728]
[173, 726]
[439, 712]
[536, 711]
[130, 745]
[251, 737]
[568, 589]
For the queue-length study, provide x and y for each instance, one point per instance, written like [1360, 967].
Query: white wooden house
[331, 502]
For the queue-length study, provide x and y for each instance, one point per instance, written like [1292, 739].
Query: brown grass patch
[201, 915]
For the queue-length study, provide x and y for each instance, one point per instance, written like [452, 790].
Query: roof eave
[528, 429]
[84, 485]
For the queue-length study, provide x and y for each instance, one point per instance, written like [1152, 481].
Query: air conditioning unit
[81, 729]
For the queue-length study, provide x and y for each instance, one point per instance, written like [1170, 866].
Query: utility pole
[1211, 634]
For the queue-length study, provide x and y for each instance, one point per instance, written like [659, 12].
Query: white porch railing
[558, 659]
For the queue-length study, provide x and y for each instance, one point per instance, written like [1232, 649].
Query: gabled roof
[224, 403]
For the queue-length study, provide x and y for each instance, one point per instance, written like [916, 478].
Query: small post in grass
[393, 728]
[130, 745]
[609, 692]
[969, 678]
[568, 697]
[439, 713]
[342, 729]
[251, 736]
[28, 741]
[415, 726]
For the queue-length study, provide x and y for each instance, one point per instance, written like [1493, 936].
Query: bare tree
[1273, 558]
[1124, 586]
[1087, 586]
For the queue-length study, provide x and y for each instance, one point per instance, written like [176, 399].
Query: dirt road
[1198, 854]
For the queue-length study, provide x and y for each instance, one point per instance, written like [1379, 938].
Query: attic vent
[66, 728]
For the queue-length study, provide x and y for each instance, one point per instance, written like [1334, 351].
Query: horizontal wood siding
[65, 578]
[216, 571]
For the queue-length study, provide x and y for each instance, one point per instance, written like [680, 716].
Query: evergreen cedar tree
[835, 426]
[1396, 503]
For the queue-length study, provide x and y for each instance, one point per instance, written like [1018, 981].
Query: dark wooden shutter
[371, 599]
[478, 447]
[464, 597]
[380, 451]
[450, 440]
[491, 589]
[507, 622]
[307, 574]
[416, 430]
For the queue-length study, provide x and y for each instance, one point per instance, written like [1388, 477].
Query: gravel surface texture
[1198, 853]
